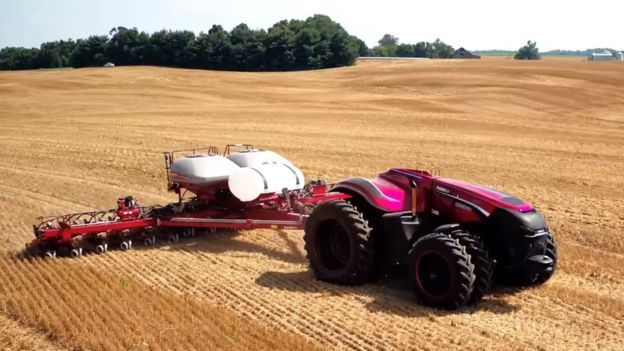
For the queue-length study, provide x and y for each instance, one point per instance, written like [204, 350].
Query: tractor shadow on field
[390, 295]
[229, 241]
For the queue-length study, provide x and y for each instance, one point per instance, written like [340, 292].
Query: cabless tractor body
[452, 238]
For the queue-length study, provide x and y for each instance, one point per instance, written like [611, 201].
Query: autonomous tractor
[451, 239]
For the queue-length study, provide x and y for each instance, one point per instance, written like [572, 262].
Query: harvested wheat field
[551, 132]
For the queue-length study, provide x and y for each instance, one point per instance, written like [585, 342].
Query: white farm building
[601, 56]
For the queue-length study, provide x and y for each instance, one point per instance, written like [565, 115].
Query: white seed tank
[202, 170]
[262, 172]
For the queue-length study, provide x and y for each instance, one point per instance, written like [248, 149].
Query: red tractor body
[391, 191]
[513, 231]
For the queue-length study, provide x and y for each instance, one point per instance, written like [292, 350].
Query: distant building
[601, 56]
[620, 56]
[462, 53]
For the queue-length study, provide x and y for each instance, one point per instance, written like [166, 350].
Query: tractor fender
[377, 192]
[446, 228]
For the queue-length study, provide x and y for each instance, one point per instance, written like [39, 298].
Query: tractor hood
[487, 198]
[391, 191]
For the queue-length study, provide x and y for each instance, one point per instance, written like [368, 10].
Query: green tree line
[317, 42]
[389, 47]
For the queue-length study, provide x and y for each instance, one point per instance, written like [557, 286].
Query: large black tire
[339, 243]
[482, 261]
[372, 216]
[441, 273]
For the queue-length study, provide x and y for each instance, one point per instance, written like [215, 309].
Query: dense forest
[317, 42]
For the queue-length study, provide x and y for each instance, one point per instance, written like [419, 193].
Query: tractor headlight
[533, 233]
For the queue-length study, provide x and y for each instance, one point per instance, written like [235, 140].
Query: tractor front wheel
[339, 243]
[540, 277]
[551, 251]
[480, 258]
[441, 273]
[531, 275]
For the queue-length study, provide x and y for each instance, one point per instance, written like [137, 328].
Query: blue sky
[474, 24]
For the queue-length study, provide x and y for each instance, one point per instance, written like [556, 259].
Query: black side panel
[514, 235]
[506, 219]
[531, 220]
[400, 230]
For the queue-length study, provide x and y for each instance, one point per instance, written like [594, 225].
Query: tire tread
[359, 272]
[464, 267]
[481, 259]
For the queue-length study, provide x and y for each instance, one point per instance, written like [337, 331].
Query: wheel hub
[433, 274]
[333, 246]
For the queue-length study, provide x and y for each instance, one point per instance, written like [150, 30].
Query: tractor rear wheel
[441, 273]
[339, 243]
[380, 267]
[481, 259]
